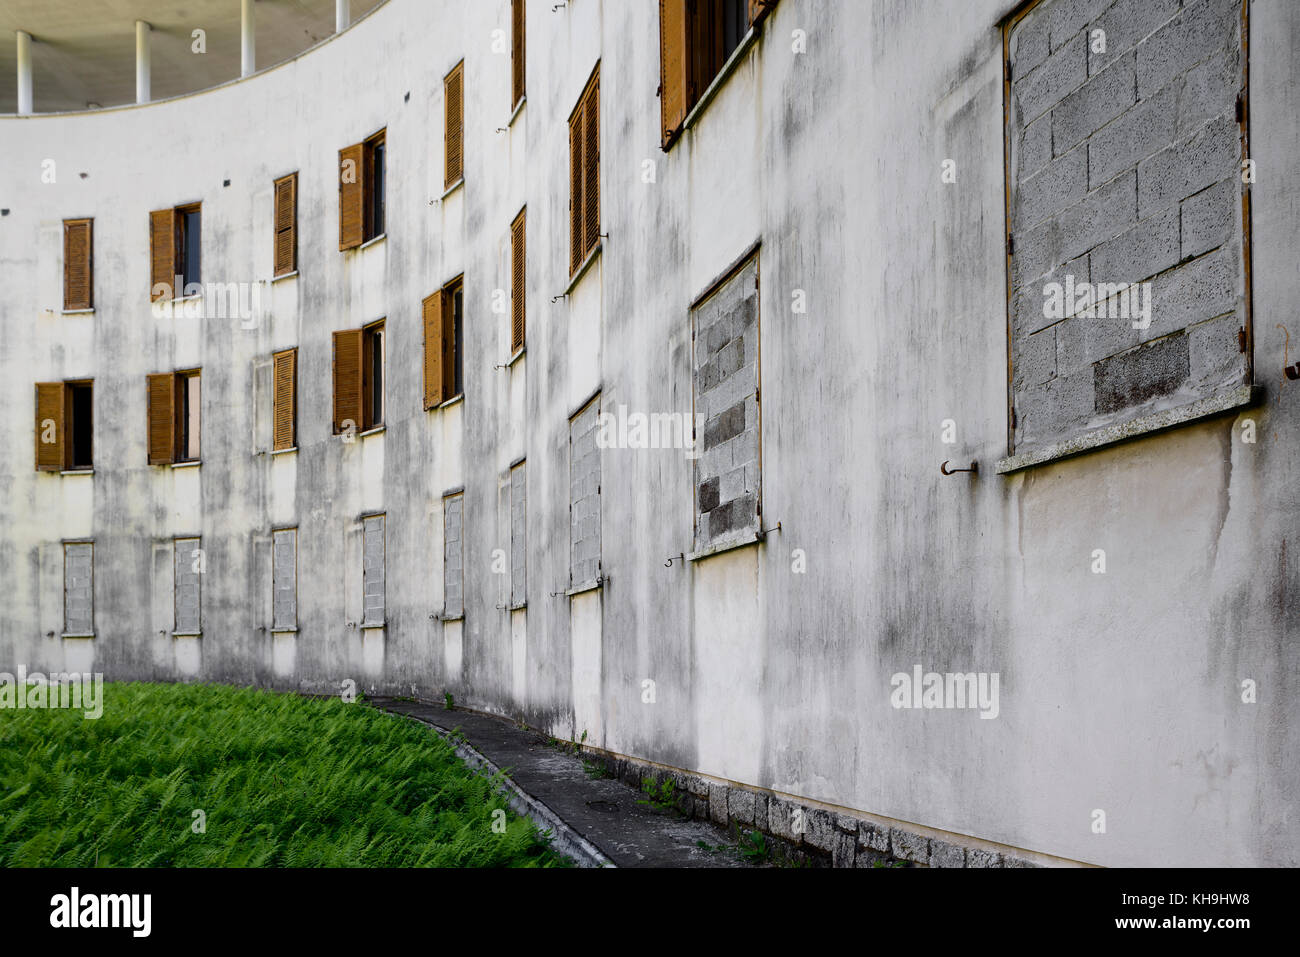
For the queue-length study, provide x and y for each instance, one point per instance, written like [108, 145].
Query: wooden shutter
[758, 9]
[347, 380]
[453, 88]
[518, 277]
[351, 196]
[286, 224]
[162, 418]
[162, 254]
[286, 401]
[591, 168]
[432, 311]
[50, 425]
[77, 278]
[516, 52]
[672, 67]
[575, 190]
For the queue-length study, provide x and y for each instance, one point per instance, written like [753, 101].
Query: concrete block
[733, 484]
[760, 812]
[1208, 90]
[1029, 43]
[709, 496]
[1201, 289]
[981, 858]
[844, 852]
[1089, 108]
[1202, 28]
[1061, 184]
[1205, 158]
[1149, 247]
[873, 836]
[820, 829]
[1210, 217]
[1142, 131]
[1034, 360]
[908, 846]
[1214, 357]
[1127, 23]
[1034, 147]
[718, 804]
[1066, 18]
[944, 854]
[740, 806]
[1037, 91]
[780, 819]
[1103, 213]
[1150, 371]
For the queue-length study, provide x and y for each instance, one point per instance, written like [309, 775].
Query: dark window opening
[187, 246]
[375, 162]
[80, 426]
[458, 384]
[372, 363]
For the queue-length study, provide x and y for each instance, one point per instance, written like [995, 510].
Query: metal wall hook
[974, 467]
[762, 532]
[676, 558]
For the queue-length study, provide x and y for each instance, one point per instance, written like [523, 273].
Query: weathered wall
[1119, 691]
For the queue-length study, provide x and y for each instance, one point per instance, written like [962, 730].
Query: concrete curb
[563, 838]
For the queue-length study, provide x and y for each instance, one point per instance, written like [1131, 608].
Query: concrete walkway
[597, 821]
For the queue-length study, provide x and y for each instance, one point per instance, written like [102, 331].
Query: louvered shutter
[351, 196]
[431, 310]
[162, 418]
[575, 190]
[162, 254]
[591, 168]
[50, 440]
[517, 48]
[286, 403]
[347, 380]
[672, 67]
[77, 275]
[286, 224]
[455, 133]
[518, 277]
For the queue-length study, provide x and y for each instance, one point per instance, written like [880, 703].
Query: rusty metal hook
[974, 467]
[1292, 371]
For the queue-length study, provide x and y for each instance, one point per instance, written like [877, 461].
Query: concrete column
[143, 63]
[342, 15]
[24, 72]
[247, 46]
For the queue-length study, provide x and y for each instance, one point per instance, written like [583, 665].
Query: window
[284, 579]
[518, 282]
[516, 52]
[584, 174]
[518, 536]
[443, 329]
[696, 38]
[64, 426]
[286, 224]
[725, 337]
[584, 497]
[174, 236]
[174, 417]
[188, 573]
[372, 571]
[359, 379]
[285, 402]
[78, 589]
[453, 555]
[1128, 256]
[453, 88]
[361, 191]
[78, 265]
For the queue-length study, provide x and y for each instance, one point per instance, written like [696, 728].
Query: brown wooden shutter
[432, 311]
[162, 254]
[286, 224]
[453, 89]
[286, 400]
[347, 380]
[575, 190]
[517, 47]
[591, 168]
[77, 276]
[50, 425]
[758, 9]
[162, 418]
[518, 277]
[672, 67]
[351, 196]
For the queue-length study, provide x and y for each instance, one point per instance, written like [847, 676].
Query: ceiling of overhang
[83, 51]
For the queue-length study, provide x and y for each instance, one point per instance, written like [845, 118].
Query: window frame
[373, 333]
[181, 406]
[67, 633]
[453, 356]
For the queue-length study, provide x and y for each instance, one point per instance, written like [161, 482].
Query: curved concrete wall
[1118, 692]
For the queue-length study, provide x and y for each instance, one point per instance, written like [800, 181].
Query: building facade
[595, 364]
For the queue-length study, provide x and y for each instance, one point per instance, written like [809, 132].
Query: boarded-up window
[517, 58]
[78, 264]
[584, 497]
[79, 588]
[1128, 258]
[347, 381]
[372, 570]
[285, 413]
[431, 313]
[584, 173]
[454, 100]
[725, 336]
[286, 224]
[518, 282]
[284, 579]
[518, 536]
[453, 555]
[189, 574]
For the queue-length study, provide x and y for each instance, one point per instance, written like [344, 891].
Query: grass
[281, 781]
